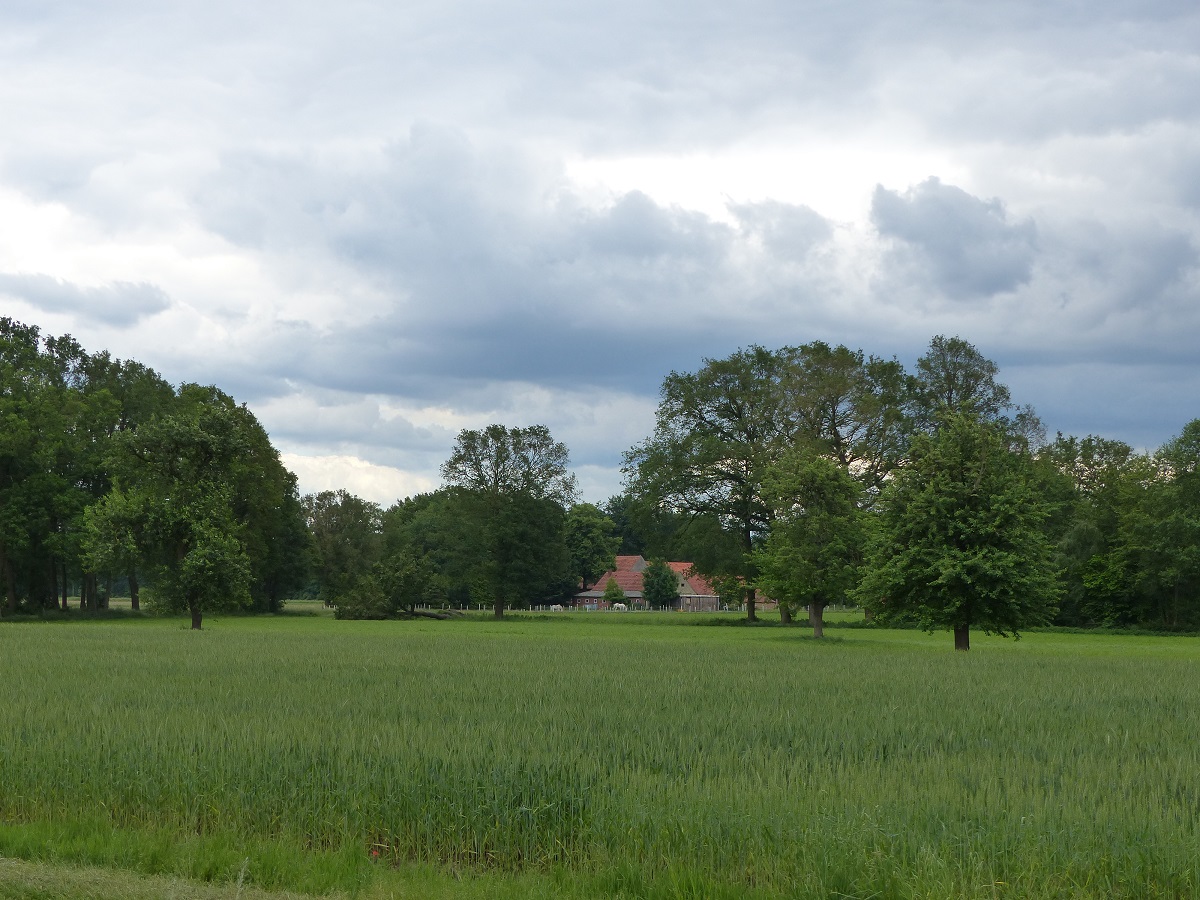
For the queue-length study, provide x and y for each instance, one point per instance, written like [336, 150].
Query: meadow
[601, 755]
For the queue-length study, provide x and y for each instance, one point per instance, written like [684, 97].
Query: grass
[595, 755]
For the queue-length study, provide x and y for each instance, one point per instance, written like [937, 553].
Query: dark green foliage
[1162, 536]
[592, 543]
[89, 443]
[629, 524]
[442, 528]
[499, 460]
[660, 586]
[954, 376]
[812, 556]
[181, 504]
[514, 484]
[346, 540]
[846, 406]
[613, 593]
[960, 541]
[396, 586]
[716, 432]
[719, 432]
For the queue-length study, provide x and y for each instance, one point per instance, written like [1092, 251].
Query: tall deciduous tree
[592, 542]
[846, 406]
[1165, 537]
[716, 433]
[175, 501]
[959, 542]
[346, 540]
[814, 551]
[516, 481]
[500, 461]
[953, 376]
[660, 587]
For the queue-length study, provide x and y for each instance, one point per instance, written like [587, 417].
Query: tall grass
[676, 761]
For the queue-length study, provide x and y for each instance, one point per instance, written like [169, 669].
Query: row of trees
[814, 474]
[112, 479]
[109, 475]
[504, 531]
[818, 474]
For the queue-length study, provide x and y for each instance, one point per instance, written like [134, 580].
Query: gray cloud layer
[365, 222]
[116, 303]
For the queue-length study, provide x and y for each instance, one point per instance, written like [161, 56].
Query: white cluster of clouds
[380, 223]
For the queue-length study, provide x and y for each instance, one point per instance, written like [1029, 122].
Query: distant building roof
[629, 574]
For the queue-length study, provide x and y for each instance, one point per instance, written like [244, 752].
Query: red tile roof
[696, 585]
[628, 575]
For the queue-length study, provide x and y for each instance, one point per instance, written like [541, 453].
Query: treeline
[504, 532]
[818, 474]
[809, 475]
[111, 477]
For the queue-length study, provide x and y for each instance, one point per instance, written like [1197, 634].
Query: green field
[598, 755]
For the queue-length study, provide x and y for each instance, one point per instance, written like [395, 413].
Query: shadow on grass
[75, 615]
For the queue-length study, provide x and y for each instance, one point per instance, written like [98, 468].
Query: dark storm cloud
[116, 303]
[263, 162]
[494, 270]
[965, 246]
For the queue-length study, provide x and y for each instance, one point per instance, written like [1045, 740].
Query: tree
[953, 376]
[1164, 538]
[516, 483]
[848, 407]
[499, 461]
[345, 540]
[660, 587]
[959, 542]
[442, 528]
[395, 586]
[174, 502]
[27, 405]
[716, 432]
[592, 543]
[814, 551]
[1095, 483]
[613, 593]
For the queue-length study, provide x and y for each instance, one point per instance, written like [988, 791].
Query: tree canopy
[516, 483]
[959, 542]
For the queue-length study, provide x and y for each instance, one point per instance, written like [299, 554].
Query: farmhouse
[695, 594]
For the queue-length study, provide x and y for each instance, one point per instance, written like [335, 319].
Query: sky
[377, 224]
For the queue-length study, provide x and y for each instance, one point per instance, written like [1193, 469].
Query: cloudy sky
[379, 223]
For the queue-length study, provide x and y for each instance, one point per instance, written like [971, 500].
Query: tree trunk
[785, 614]
[64, 587]
[135, 602]
[53, 602]
[962, 637]
[499, 608]
[197, 615]
[750, 616]
[816, 618]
